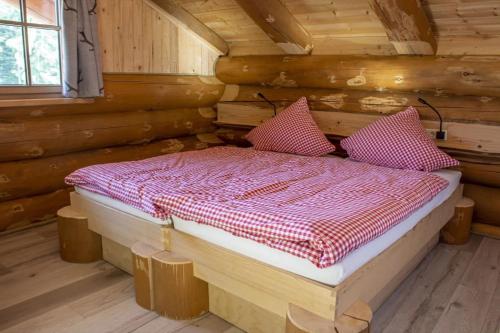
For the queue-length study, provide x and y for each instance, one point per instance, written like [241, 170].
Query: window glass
[44, 56]
[10, 10]
[41, 11]
[12, 66]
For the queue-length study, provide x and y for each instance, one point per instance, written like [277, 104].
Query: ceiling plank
[193, 24]
[407, 26]
[279, 24]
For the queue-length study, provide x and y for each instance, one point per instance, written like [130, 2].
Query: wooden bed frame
[182, 277]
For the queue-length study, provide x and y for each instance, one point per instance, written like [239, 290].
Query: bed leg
[457, 230]
[143, 277]
[77, 243]
[177, 293]
[355, 320]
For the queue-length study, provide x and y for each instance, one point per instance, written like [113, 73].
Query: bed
[262, 280]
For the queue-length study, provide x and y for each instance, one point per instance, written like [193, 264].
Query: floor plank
[430, 292]
[466, 311]
[454, 289]
[43, 303]
[492, 321]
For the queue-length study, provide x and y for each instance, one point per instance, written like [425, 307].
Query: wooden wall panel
[462, 136]
[344, 94]
[137, 37]
[132, 92]
[351, 27]
[40, 145]
[22, 212]
[336, 27]
[478, 76]
[44, 175]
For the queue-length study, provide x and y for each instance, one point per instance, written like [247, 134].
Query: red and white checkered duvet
[317, 208]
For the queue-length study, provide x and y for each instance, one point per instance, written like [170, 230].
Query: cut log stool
[177, 293]
[355, 320]
[77, 243]
[457, 231]
[143, 274]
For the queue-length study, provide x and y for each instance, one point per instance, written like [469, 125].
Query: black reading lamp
[440, 135]
[268, 101]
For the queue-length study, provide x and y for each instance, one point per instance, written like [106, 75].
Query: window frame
[11, 90]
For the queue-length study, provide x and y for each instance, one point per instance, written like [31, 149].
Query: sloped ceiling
[351, 26]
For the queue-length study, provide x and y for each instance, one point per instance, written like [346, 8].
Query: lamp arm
[423, 101]
[268, 101]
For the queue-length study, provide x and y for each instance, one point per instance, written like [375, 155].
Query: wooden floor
[455, 289]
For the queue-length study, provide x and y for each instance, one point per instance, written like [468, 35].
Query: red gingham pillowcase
[398, 141]
[291, 131]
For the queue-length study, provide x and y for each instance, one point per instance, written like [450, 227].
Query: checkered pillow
[291, 131]
[398, 141]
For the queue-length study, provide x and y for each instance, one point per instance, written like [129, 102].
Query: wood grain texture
[407, 26]
[117, 255]
[193, 24]
[475, 290]
[77, 243]
[104, 299]
[466, 75]
[353, 27]
[487, 230]
[457, 230]
[487, 203]
[355, 320]
[43, 137]
[143, 274]
[23, 212]
[132, 92]
[178, 294]
[279, 24]
[461, 136]
[242, 313]
[349, 27]
[123, 229]
[138, 37]
[38, 176]
[459, 108]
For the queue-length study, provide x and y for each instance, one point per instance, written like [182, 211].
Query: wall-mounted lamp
[440, 135]
[268, 101]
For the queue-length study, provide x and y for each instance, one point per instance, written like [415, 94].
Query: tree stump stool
[143, 274]
[457, 231]
[77, 243]
[177, 293]
[355, 320]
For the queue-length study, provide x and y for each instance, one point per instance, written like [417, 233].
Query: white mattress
[332, 275]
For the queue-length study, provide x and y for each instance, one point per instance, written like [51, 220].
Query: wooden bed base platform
[181, 276]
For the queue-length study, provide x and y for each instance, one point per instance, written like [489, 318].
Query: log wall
[138, 37]
[346, 93]
[140, 116]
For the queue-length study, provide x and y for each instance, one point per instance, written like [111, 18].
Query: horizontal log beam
[279, 24]
[49, 136]
[476, 168]
[132, 92]
[459, 108]
[191, 23]
[407, 26]
[462, 136]
[467, 75]
[487, 203]
[37, 176]
[23, 212]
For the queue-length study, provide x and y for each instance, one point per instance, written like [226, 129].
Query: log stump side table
[457, 231]
[77, 243]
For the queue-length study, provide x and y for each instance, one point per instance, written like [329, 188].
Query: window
[29, 43]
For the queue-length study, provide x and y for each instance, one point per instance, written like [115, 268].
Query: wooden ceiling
[353, 26]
